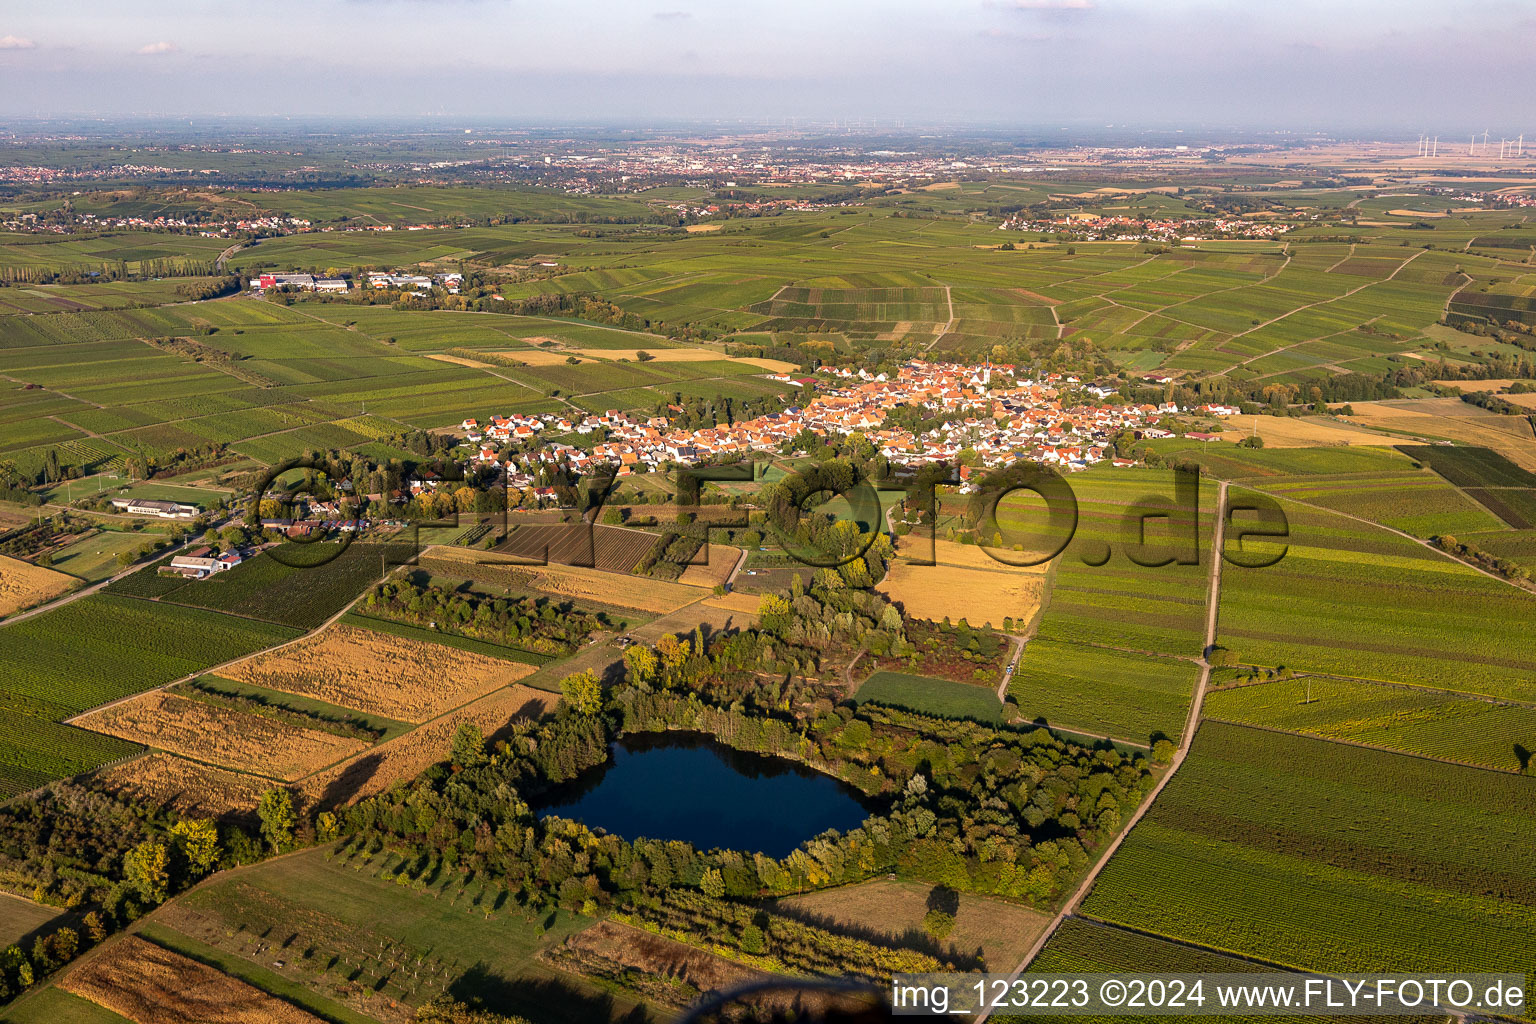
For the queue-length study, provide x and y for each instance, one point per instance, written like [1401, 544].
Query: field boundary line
[1380, 526]
[1365, 746]
[1394, 684]
[1185, 741]
[226, 664]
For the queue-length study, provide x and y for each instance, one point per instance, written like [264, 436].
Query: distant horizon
[1370, 65]
[1194, 132]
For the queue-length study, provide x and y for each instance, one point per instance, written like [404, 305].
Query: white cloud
[671, 15]
[16, 43]
[1044, 5]
[155, 48]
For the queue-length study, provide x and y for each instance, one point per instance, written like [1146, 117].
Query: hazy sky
[1447, 65]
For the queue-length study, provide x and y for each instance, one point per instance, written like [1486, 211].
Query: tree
[277, 818]
[468, 745]
[446, 1011]
[198, 842]
[65, 943]
[640, 665]
[94, 928]
[938, 924]
[712, 884]
[147, 868]
[1162, 751]
[583, 692]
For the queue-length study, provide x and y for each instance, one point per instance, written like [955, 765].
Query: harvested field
[151, 985]
[407, 756]
[607, 948]
[535, 356]
[685, 355]
[1454, 420]
[459, 361]
[186, 787]
[967, 583]
[20, 917]
[1299, 431]
[722, 559]
[573, 582]
[740, 604]
[378, 673]
[1002, 931]
[1496, 384]
[684, 620]
[221, 736]
[610, 548]
[23, 585]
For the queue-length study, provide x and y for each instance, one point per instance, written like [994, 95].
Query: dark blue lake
[686, 786]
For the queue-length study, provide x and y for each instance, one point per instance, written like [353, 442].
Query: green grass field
[1119, 603]
[50, 1005]
[941, 697]
[474, 944]
[1082, 946]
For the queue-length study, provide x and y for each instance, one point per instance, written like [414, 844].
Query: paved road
[1072, 903]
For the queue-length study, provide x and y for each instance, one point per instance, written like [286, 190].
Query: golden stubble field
[722, 559]
[377, 673]
[409, 755]
[221, 736]
[23, 585]
[1455, 420]
[967, 583]
[152, 985]
[200, 789]
[1300, 432]
[566, 581]
[187, 787]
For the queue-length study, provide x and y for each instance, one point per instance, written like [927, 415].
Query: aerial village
[989, 410]
[1118, 228]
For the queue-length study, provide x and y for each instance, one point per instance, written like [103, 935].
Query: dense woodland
[535, 624]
